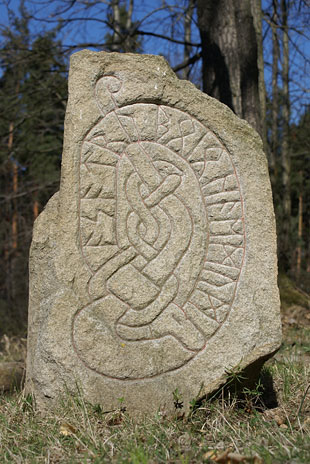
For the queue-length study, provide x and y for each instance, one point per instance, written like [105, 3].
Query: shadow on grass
[250, 389]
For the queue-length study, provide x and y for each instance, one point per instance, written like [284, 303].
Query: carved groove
[162, 233]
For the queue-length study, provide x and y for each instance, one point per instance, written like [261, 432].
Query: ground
[268, 424]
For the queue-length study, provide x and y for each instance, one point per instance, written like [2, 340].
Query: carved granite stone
[154, 267]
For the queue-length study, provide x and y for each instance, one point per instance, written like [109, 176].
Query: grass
[268, 424]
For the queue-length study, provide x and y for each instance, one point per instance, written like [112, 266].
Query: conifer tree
[32, 107]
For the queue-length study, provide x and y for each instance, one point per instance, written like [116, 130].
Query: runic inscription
[161, 229]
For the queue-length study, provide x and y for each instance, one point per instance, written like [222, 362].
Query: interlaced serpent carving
[162, 233]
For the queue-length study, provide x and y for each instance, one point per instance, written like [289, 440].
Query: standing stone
[154, 267]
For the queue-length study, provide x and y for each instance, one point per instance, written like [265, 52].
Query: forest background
[252, 55]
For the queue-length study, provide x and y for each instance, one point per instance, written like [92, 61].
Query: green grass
[78, 432]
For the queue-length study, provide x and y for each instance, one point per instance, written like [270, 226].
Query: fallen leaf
[283, 426]
[67, 429]
[236, 457]
[210, 454]
[115, 419]
[218, 455]
[229, 457]
[276, 414]
[306, 425]
[222, 458]
[257, 460]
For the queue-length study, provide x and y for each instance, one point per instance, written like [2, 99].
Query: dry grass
[269, 424]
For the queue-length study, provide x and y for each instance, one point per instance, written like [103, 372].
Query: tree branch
[193, 59]
[165, 37]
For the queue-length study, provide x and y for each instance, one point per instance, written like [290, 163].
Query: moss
[290, 294]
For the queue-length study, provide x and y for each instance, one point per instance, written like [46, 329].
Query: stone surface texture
[154, 267]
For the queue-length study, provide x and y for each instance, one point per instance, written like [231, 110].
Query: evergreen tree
[32, 108]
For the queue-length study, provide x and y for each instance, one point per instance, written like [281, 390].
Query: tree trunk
[229, 55]
[187, 36]
[300, 221]
[117, 35]
[14, 240]
[285, 155]
[275, 94]
[308, 254]
[128, 45]
[35, 206]
[11, 250]
[122, 26]
[257, 19]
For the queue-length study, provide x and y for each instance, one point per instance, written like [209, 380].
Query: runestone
[154, 267]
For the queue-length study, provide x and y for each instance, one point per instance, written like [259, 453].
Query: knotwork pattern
[162, 233]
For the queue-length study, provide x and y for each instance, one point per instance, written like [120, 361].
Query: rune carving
[162, 232]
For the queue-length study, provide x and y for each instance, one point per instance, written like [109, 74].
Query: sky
[94, 31]
[156, 19]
